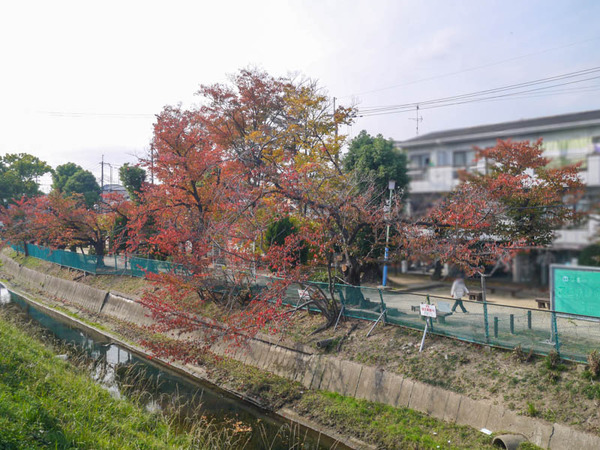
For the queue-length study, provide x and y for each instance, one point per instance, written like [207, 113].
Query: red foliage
[257, 150]
[515, 204]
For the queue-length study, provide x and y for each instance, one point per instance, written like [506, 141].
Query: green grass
[47, 403]
[390, 427]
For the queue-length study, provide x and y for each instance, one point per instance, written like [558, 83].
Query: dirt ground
[525, 298]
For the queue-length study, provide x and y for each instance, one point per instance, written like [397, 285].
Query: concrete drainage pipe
[508, 441]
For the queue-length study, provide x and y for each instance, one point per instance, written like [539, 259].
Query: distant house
[116, 189]
[435, 159]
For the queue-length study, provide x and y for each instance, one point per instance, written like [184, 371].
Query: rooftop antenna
[418, 119]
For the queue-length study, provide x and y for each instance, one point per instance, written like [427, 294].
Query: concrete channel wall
[328, 373]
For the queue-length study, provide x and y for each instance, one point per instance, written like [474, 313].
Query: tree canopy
[516, 204]
[377, 159]
[133, 178]
[71, 179]
[19, 175]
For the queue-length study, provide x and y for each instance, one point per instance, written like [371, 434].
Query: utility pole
[336, 131]
[102, 164]
[418, 119]
[388, 207]
[336, 127]
[151, 164]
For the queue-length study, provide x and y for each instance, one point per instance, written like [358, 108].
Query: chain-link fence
[541, 331]
[106, 265]
[573, 336]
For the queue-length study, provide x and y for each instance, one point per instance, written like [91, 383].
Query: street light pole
[391, 187]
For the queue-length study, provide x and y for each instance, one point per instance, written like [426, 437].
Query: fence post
[486, 323]
[383, 307]
[529, 319]
[555, 333]
[430, 321]
[512, 324]
[495, 327]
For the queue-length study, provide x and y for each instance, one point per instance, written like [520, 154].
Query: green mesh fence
[86, 263]
[573, 336]
[140, 266]
[105, 265]
[541, 331]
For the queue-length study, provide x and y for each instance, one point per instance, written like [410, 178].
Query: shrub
[521, 355]
[594, 363]
[552, 360]
[532, 411]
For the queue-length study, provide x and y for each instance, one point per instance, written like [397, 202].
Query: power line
[487, 94]
[503, 96]
[477, 100]
[470, 69]
[493, 90]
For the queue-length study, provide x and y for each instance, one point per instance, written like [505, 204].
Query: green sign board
[575, 289]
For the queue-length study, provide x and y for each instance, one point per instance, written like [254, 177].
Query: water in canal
[115, 367]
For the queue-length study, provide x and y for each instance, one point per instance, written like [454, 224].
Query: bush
[522, 355]
[532, 411]
[594, 363]
[552, 361]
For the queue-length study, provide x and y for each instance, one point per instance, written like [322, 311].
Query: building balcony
[444, 178]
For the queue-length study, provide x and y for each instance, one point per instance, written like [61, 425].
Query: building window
[463, 158]
[419, 161]
[596, 144]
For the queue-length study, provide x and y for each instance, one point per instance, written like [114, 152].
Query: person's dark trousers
[459, 303]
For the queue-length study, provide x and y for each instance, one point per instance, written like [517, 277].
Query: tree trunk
[372, 273]
[99, 250]
[437, 271]
[352, 272]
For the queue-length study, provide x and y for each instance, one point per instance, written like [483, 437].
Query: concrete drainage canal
[124, 373]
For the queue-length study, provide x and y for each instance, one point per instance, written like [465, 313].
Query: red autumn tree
[259, 149]
[516, 203]
[17, 223]
[67, 221]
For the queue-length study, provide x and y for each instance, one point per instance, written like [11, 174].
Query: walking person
[459, 289]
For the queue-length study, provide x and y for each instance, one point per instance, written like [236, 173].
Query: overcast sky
[81, 79]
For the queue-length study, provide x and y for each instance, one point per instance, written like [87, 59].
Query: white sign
[304, 294]
[428, 310]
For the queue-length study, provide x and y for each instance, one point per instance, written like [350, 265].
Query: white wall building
[435, 159]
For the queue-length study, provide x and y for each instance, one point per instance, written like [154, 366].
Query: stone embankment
[316, 371]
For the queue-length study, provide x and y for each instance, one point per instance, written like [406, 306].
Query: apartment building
[435, 159]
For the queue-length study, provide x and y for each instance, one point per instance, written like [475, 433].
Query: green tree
[133, 178]
[70, 179]
[61, 175]
[19, 175]
[375, 159]
[84, 182]
[278, 231]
